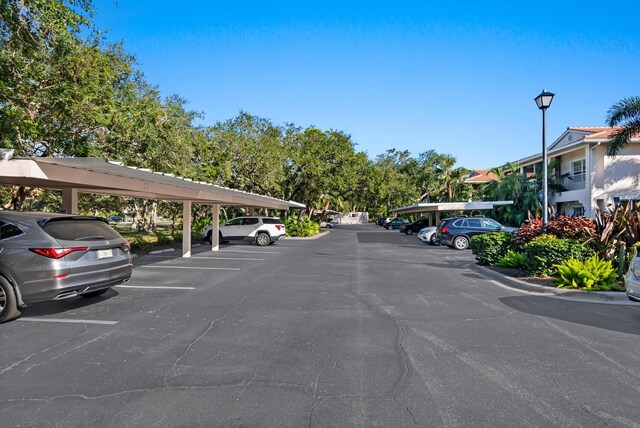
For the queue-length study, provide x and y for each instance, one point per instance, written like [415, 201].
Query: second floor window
[578, 171]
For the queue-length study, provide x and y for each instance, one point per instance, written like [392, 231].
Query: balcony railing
[578, 182]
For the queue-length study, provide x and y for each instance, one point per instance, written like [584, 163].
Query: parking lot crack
[197, 339]
[30, 356]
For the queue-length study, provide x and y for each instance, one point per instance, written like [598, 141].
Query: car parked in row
[632, 278]
[414, 227]
[456, 232]
[428, 235]
[45, 256]
[396, 223]
[383, 220]
[328, 223]
[260, 230]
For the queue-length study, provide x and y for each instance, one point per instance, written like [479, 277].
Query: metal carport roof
[449, 206]
[96, 175]
[438, 207]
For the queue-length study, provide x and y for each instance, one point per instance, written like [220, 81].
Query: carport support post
[215, 227]
[186, 229]
[437, 218]
[70, 200]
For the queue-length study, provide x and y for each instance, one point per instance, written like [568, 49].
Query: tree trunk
[18, 196]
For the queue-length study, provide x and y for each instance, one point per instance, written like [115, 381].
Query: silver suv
[259, 229]
[45, 256]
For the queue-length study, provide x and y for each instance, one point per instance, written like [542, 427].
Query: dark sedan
[396, 223]
[415, 227]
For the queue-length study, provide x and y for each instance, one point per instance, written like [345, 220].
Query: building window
[578, 171]
[578, 212]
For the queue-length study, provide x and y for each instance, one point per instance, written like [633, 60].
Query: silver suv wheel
[263, 239]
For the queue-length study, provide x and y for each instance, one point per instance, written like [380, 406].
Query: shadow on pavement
[60, 306]
[620, 318]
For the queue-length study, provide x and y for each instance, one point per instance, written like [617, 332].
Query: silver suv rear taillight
[56, 253]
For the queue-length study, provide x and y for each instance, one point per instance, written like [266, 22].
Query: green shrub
[164, 239]
[305, 227]
[488, 248]
[512, 260]
[197, 227]
[592, 274]
[541, 254]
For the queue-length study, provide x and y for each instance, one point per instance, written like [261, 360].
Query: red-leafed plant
[616, 229]
[579, 228]
[527, 232]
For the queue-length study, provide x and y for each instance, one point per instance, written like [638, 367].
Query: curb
[617, 297]
[166, 250]
[303, 238]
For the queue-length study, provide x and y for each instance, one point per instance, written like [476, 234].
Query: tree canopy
[66, 91]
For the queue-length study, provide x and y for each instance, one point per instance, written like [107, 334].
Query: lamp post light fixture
[544, 101]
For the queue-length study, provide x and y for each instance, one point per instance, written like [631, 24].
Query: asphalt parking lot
[159, 276]
[361, 327]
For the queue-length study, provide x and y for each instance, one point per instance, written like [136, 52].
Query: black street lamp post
[544, 101]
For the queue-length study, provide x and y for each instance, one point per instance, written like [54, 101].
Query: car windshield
[489, 223]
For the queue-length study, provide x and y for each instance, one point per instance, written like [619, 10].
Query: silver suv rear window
[8, 230]
[79, 230]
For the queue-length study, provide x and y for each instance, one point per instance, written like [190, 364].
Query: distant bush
[198, 225]
[488, 248]
[305, 227]
[543, 253]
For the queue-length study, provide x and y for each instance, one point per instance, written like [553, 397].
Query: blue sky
[457, 77]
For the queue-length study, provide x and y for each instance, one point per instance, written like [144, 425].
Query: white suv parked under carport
[259, 229]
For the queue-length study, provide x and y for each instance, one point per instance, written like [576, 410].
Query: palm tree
[523, 190]
[627, 114]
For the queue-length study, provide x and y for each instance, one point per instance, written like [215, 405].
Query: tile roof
[597, 132]
[481, 176]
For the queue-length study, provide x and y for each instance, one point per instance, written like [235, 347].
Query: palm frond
[627, 109]
[621, 138]
[627, 114]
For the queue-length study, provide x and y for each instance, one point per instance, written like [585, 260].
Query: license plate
[103, 254]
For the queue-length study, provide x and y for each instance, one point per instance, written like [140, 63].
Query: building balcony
[578, 183]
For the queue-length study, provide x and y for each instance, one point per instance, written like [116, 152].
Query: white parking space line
[205, 257]
[184, 267]
[249, 251]
[159, 287]
[66, 320]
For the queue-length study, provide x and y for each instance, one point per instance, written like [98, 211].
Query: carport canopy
[438, 207]
[96, 175]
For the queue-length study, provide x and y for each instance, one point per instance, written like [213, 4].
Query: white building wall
[620, 177]
[567, 158]
[353, 218]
